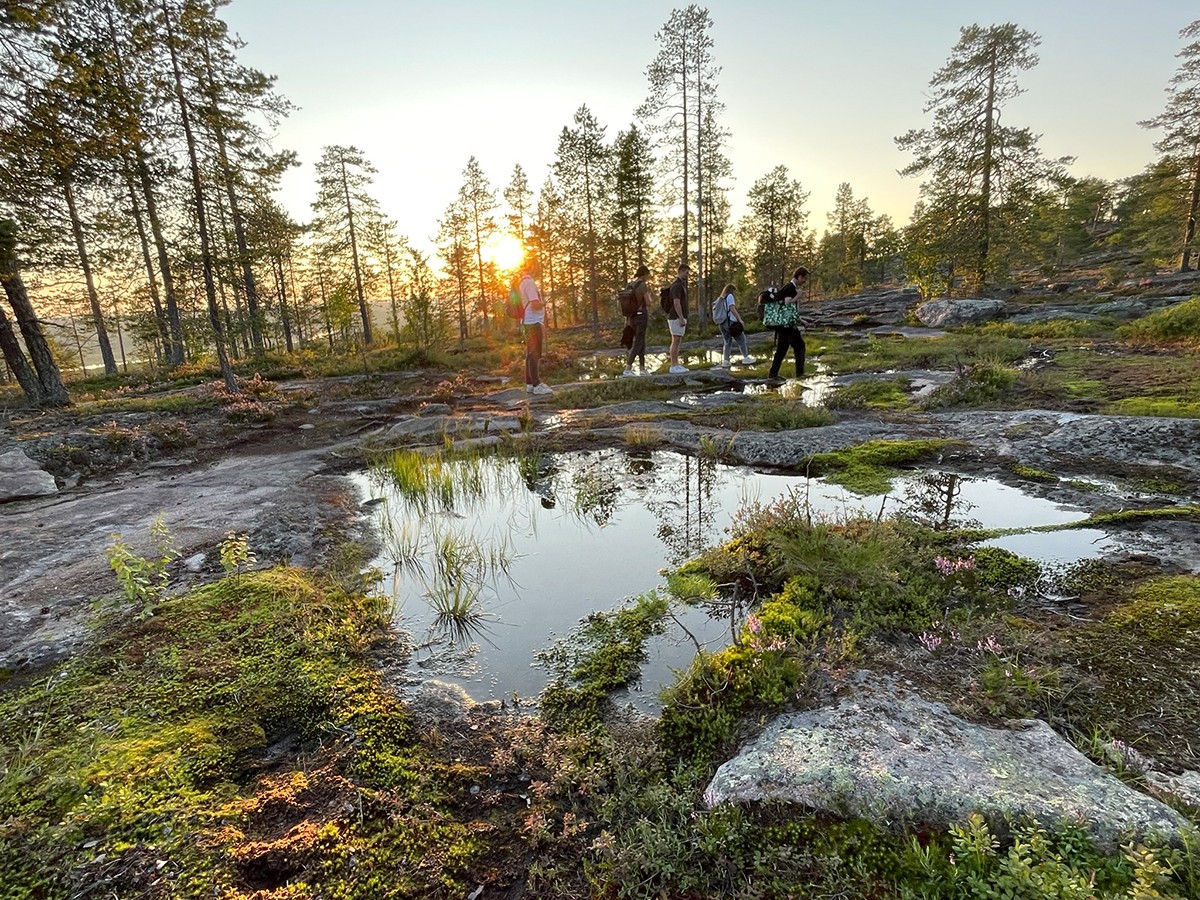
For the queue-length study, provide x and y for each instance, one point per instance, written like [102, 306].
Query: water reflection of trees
[679, 492]
[597, 491]
[682, 502]
[540, 474]
[935, 500]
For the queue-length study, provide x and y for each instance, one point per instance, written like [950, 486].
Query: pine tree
[774, 229]
[633, 217]
[519, 198]
[43, 386]
[681, 106]
[342, 207]
[582, 167]
[1180, 144]
[983, 176]
[453, 242]
[477, 201]
[206, 252]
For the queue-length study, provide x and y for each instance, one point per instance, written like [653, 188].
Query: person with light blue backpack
[727, 318]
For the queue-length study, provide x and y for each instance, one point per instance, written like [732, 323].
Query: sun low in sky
[504, 251]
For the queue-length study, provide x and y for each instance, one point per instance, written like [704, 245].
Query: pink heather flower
[991, 645]
[753, 624]
[948, 566]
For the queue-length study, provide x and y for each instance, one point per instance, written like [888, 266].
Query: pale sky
[822, 88]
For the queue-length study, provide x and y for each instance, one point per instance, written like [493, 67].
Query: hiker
[534, 322]
[677, 318]
[733, 327]
[638, 321]
[790, 336]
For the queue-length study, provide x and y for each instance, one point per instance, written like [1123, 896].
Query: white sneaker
[678, 370]
[725, 363]
[642, 370]
[747, 360]
[627, 373]
[529, 388]
[542, 388]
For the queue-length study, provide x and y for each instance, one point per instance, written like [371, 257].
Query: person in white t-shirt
[725, 313]
[534, 322]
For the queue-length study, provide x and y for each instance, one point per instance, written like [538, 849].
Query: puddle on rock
[494, 559]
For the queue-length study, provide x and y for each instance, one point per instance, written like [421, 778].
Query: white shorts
[677, 326]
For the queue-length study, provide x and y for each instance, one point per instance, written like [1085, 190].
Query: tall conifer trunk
[14, 356]
[985, 193]
[106, 351]
[52, 390]
[160, 320]
[206, 261]
[1189, 234]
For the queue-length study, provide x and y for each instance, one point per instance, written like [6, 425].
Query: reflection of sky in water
[614, 522]
[1056, 546]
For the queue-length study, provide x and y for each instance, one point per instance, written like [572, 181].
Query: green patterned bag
[780, 315]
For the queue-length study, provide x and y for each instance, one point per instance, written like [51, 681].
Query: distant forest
[138, 182]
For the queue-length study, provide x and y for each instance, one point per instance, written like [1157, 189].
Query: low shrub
[1178, 324]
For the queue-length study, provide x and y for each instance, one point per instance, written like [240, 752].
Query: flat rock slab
[21, 477]
[53, 550]
[886, 754]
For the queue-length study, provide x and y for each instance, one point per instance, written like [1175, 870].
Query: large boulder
[1125, 308]
[886, 754]
[967, 311]
[21, 477]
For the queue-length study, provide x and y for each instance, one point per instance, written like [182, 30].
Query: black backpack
[627, 300]
[767, 296]
[665, 301]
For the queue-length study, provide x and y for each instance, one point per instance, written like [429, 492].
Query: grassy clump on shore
[145, 764]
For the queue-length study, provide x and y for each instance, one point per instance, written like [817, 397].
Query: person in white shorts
[677, 317]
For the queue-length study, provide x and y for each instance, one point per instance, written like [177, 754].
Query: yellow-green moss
[870, 467]
[1162, 609]
[147, 748]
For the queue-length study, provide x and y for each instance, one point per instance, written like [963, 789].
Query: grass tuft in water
[432, 482]
[459, 613]
[643, 436]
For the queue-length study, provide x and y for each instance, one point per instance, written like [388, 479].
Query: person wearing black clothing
[677, 318]
[791, 336]
[641, 291]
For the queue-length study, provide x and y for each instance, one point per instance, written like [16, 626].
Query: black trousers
[785, 339]
[638, 348]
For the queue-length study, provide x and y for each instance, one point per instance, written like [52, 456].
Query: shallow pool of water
[576, 533]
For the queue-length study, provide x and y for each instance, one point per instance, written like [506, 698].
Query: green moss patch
[1129, 516]
[616, 390]
[881, 352]
[1144, 406]
[1162, 609]
[890, 393]
[1029, 473]
[870, 467]
[986, 382]
[144, 762]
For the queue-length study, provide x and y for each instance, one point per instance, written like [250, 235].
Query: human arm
[679, 298]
